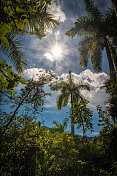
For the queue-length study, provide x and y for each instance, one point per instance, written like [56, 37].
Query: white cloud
[56, 11]
[96, 96]
[35, 73]
[49, 56]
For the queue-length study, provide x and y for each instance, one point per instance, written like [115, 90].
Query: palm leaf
[40, 21]
[82, 86]
[82, 27]
[85, 26]
[93, 12]
[96, 60]
[14, 52]
[91, 47]
[62, 100]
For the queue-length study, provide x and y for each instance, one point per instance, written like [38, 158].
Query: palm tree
[98, 32]
[60, 127]
[69, 91]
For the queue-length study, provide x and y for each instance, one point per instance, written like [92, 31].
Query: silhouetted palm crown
[98, 31]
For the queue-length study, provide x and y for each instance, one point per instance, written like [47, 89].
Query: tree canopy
[98, 31]
[21, 17]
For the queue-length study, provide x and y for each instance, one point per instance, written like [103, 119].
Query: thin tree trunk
[111, 66]
[12, 117]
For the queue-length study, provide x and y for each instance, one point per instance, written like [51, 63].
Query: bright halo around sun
[56, 51]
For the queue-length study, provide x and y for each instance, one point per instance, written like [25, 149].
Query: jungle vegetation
[27, 147]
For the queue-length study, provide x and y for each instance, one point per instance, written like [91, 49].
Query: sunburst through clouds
[56, 49]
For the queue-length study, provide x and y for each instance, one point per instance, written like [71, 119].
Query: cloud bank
[96, 95]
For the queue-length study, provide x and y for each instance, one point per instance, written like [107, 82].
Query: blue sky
[40, 54]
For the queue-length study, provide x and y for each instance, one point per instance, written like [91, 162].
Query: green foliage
[60, 127]
[9, 80]
[92, 47]
[97, 33]
[31, 99]
[111, 88]
[103, 149]
[36, 151]
[82, 115]
[20, 17]
[104, 118]
[15, 52]
[29, 149]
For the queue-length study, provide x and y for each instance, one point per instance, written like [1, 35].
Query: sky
[59, 53]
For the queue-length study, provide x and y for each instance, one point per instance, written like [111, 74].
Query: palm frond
[14, 52]
[40, 21]
[96, 59]
[82, 86]
[85, 26]
[111, 24]
[91, 47]
[59, 86]
[62, 100]
[80, 27]
[83, 48]
[110, 17]
[93, 12]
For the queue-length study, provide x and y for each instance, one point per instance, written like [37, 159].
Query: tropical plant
[34, 150]
[69, 90]
[8, 79]
[15, 52]
[60, 127]
[98, 31]
[82, 116]
[32, 96]
[20, 17]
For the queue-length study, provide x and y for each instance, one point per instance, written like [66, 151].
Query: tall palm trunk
[72, 119]
[111, 65]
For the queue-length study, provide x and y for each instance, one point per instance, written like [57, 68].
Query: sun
[56, 51]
